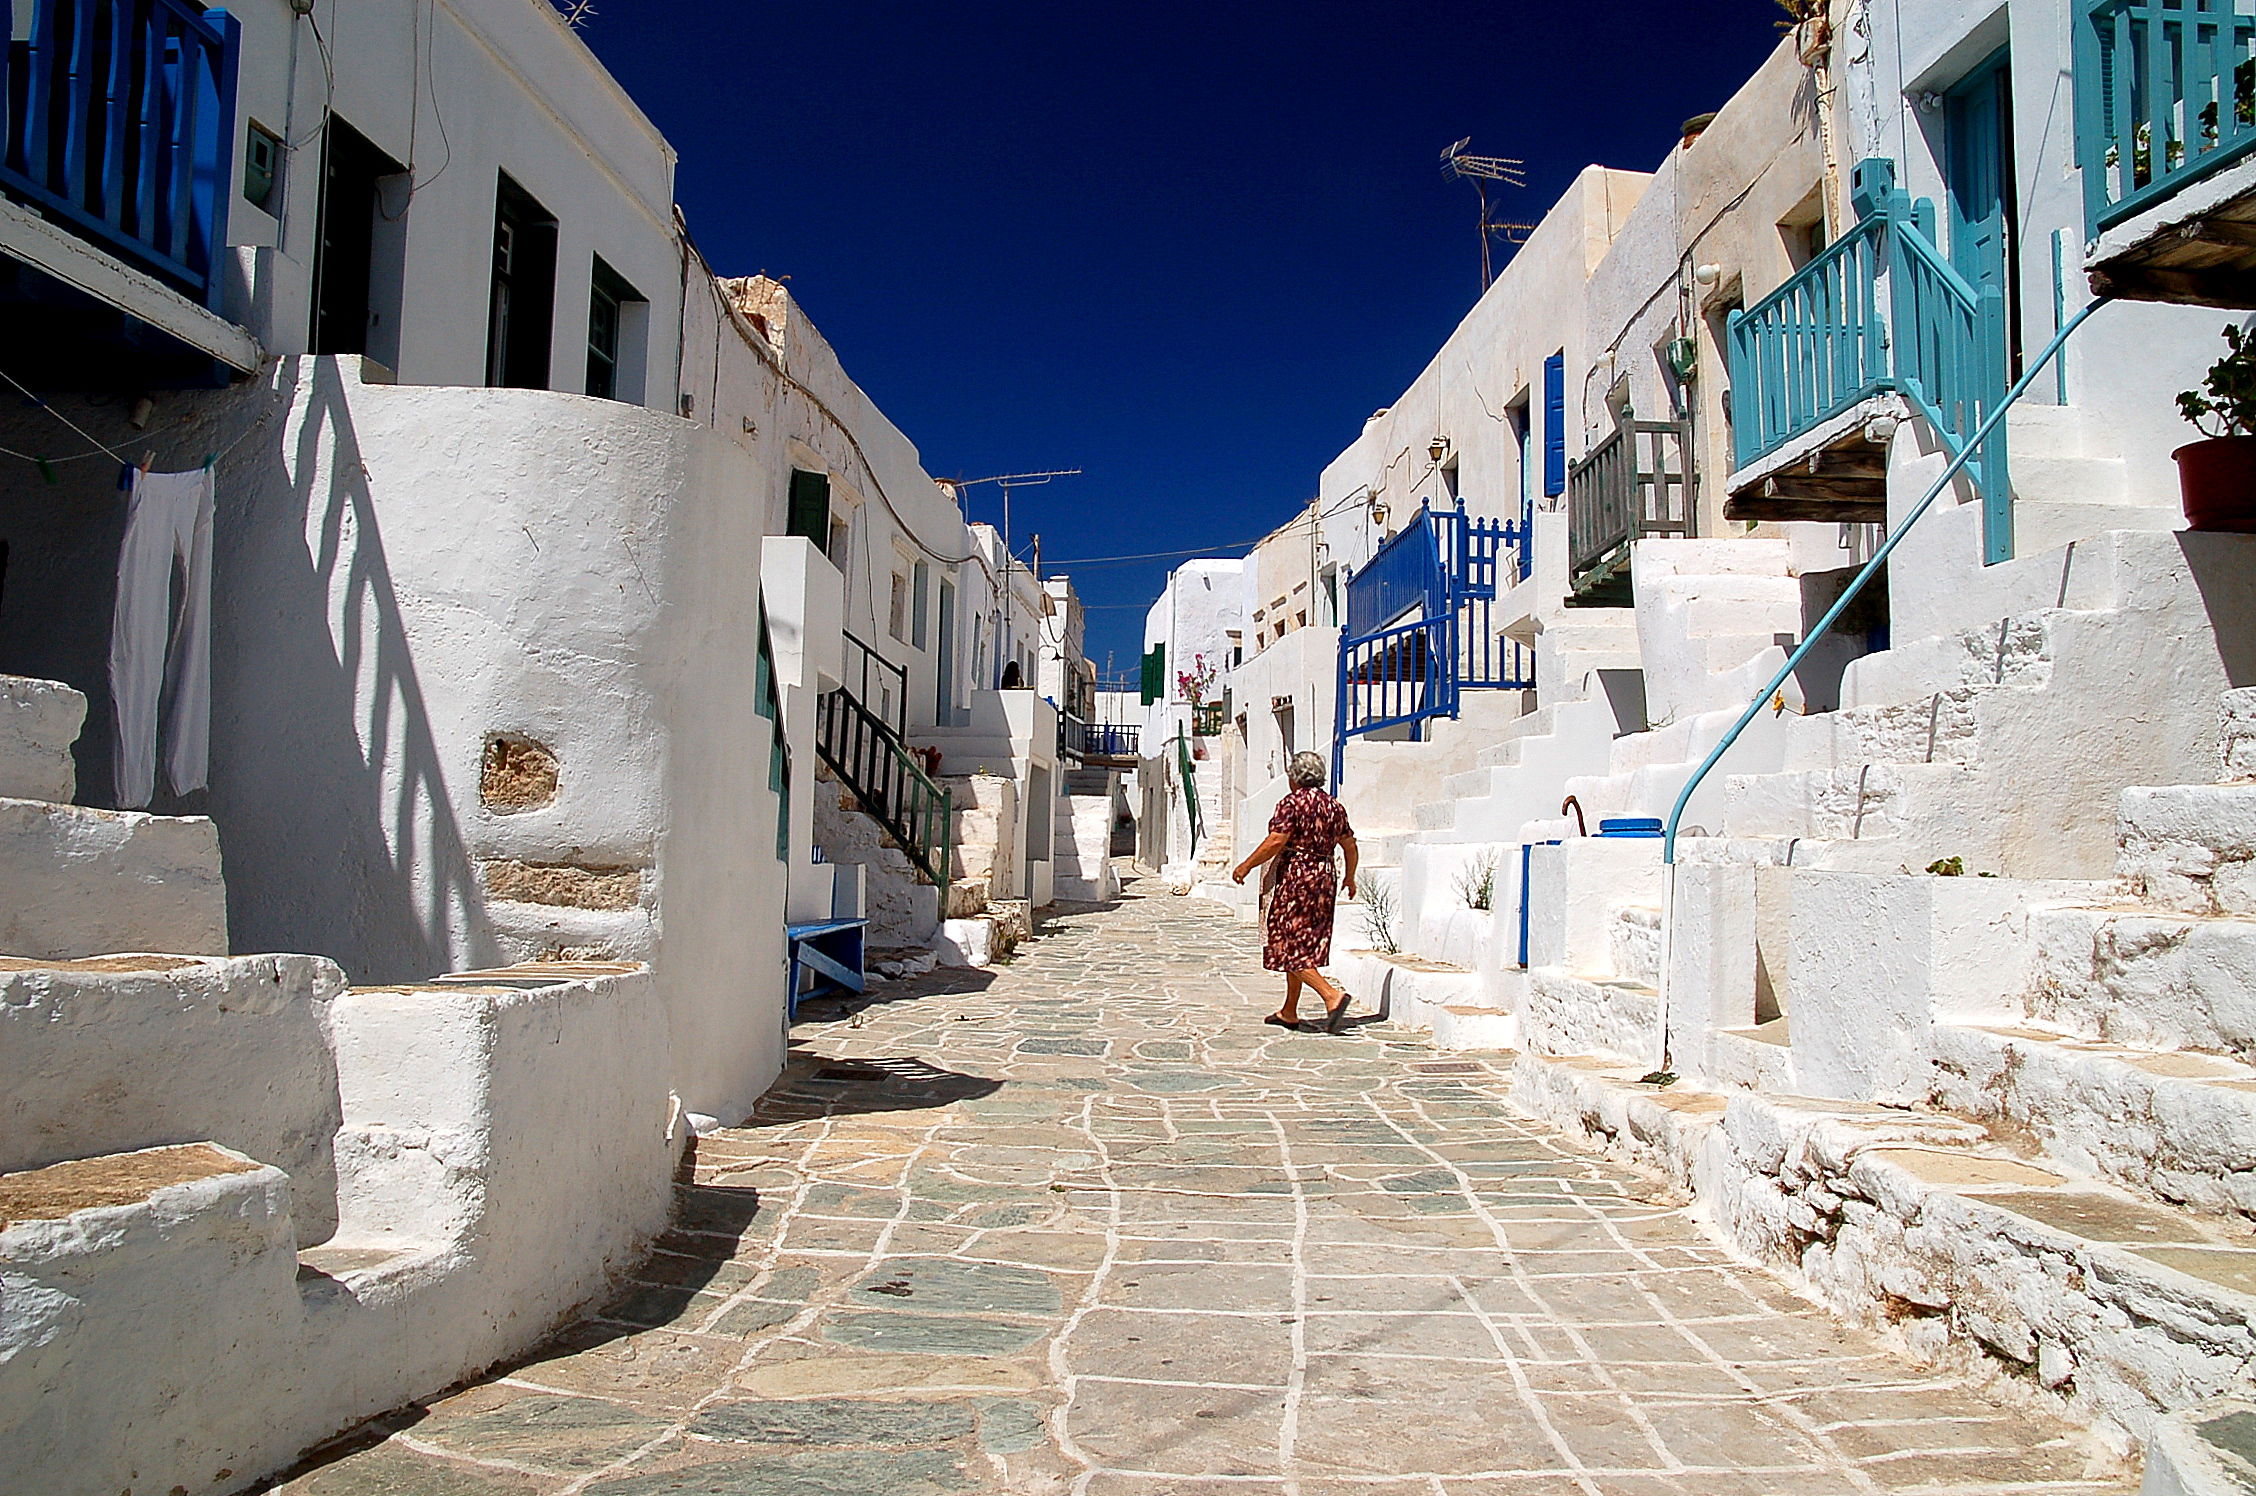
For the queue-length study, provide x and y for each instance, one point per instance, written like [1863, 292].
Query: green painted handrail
[1870, 568]
[1190, 790]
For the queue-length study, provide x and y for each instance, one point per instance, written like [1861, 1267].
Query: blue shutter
[1555, 425]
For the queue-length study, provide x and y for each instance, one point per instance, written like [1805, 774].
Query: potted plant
[1194, 683]
[2217, 477]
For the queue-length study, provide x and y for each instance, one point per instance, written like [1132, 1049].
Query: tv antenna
[1007, 482]
[1480, 171]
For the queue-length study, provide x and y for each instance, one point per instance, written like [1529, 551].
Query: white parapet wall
[505, 1147]
[39, 720]
[140, 1291]
[1878, 961]
[422, 578]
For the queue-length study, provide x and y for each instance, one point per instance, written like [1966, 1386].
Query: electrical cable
[730, 315]
[329, 87]
[101, 450]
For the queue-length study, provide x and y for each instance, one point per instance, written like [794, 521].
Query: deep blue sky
[1185, 247]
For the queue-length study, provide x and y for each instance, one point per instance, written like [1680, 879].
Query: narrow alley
[1080, 1223]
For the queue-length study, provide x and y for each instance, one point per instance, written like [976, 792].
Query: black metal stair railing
[873, 763]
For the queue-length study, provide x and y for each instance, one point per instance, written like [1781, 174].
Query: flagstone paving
[1082, 1224]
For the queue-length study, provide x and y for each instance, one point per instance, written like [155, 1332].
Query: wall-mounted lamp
[1378, 515]
[1438, 448]
[1707, 275]
[1930, 102]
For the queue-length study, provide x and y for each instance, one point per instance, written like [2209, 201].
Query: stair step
[39, 721]
[1711, 558]
[76, 881]
[2068, 481]
[2145, 977]
[2177, 1127]
[2044, 1274]
[2191, 847]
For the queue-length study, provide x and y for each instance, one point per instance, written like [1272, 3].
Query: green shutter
[1155, 674]
[810, 507]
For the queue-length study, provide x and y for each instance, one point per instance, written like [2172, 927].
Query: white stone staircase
[244, 1206]
[77, 881]
[2133, 1054]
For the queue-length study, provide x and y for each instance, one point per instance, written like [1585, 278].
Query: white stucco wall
[501, 1155]
[404, 572]
[459, 92]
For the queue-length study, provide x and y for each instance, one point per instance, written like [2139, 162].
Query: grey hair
[1307, 771]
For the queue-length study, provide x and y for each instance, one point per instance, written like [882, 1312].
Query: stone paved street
[1082, 1224]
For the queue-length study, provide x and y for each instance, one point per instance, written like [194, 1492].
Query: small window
[898, 622]
[920, 593]
[617, 320]
[809, 517]
[522, 309]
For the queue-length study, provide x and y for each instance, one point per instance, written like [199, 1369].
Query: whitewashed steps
[39, 720]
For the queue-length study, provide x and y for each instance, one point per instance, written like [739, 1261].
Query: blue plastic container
[1649, 826]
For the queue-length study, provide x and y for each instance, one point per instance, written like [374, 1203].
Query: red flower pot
[2217, 479]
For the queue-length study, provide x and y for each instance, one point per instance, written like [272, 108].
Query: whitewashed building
[1898, 931]
[411, 556]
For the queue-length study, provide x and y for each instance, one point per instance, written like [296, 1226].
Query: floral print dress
[1307, 891]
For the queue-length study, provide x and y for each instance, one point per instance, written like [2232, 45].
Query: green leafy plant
[1476, 881]
[2227, 397]
[1948, 867]
[1381, 910]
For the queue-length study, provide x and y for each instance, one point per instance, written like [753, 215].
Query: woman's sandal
[1335, 1019]
[1283, 1022]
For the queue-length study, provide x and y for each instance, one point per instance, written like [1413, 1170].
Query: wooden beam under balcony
[2207, 258]
[1842, 481]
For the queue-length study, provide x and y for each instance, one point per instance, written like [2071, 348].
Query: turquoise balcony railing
[1880, 311]
[1812, 348]
[117, 120]
[2165, 94]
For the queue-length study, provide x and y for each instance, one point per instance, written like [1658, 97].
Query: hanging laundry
[156, 657]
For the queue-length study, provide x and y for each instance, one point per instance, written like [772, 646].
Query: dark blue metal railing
[1447, 569]
[1406, 572]
[117, 120]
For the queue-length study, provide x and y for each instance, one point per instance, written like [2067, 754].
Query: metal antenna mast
[1007, 482]
[1480, 171]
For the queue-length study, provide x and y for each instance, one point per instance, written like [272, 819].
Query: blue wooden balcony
[2165, 95]
[1880, 311]
[117, 121]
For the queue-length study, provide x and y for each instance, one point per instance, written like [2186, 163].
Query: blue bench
[831, 952]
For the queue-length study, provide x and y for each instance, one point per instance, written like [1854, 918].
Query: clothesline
[46, 465]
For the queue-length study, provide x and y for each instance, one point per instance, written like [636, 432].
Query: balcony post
[215, 191]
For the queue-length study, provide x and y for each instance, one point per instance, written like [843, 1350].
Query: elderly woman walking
[1307, 825]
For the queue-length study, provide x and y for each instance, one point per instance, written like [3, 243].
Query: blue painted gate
[1419, 632]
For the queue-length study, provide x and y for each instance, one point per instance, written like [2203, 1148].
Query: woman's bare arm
[1347, 845]
[1271, 845]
